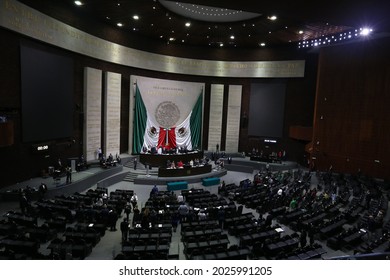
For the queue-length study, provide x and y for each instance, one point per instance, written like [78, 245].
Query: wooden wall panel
[352, 123]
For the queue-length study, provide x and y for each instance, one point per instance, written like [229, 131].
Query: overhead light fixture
[136, 17]
[171, 39]
[272, 17]
[78, 3]
[232, 37]
[119, 24]
[365, 31]
[262, 44]
[221, 44]
[188, 24]
[300, 31]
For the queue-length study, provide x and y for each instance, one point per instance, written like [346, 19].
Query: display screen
[47, 94]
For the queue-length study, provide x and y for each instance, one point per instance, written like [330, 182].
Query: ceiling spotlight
[262, 44]
[273, 17]
[365, 31]
[188, 24]
[171, 39]
[232, 37]
[221, 44]
[136, 17]
[78, 3]
[300, 31]
[119, 24]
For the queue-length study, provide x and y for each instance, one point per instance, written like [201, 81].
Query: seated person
[180, 164]
[118, 158]
[173, 165]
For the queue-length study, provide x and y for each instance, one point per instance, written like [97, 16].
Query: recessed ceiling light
[232, 37]
[273, 17]
[171, 39]
[119, 24]
[262, 44]
[221, 44]
[78, 3]
[136, 17]
[188, 24]
[300, 31]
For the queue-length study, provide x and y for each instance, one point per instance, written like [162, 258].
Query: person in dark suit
[135, 163]
[42, 190]
[124, 226]
[68, 175]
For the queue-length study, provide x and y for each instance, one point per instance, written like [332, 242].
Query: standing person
[112, 219]
[135, 163]
[183, 212]
[42, 190]
[221, 217]
[134, 200]
[311, 234]
[302, 238]
[99, 153]
[124, 229]
[127, 210]
[68, 175]
[23, 202]
[175, 218]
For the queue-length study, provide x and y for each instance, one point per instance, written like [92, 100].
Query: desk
[77, 250]
[331, 229]
[191, 225]
[190, 247]
[353, 238]
[7, 228]
[198, 233]
[21, 219]
[161, 160]
[89, 237]
[210, 181]
[20, 246]
[185, 171]
[314, 219]
[275, 248]
[250, 239]
[162, 248]
[174, 186]
[100, 228]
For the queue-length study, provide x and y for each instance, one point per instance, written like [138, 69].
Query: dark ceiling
[296, 21]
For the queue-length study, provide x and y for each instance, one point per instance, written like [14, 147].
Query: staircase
[133, 174]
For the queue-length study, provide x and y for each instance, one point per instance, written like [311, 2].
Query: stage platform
[81, 181]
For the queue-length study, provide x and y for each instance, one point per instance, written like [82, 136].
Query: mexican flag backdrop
[167, 114]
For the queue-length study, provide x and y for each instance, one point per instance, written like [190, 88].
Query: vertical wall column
[92, 112]
[112, 113]
[215, 118]
[233, 118]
